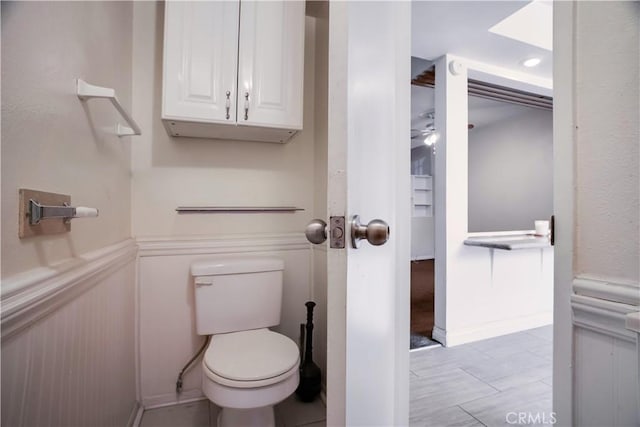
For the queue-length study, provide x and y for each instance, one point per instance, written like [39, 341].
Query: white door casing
[563, 202]
[368, 175]
[200, 64]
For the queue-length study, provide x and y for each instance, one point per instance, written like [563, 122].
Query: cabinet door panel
[200, 60]
[271, 61]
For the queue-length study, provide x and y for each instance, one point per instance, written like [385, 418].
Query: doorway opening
[423, 138]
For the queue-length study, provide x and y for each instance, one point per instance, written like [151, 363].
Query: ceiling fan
[428, 133]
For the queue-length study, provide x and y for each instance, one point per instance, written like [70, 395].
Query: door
[368, 175]
[200, 62]
[271, 63]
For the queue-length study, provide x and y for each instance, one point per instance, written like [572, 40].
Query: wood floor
[422, 290]
[484, 383]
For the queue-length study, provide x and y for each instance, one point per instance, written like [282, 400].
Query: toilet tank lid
[219, 266]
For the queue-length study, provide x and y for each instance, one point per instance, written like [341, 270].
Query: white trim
[136, 415]
[508, 78]
[633, 324]
[616, 290]
[602, 316]
[450, 338]
[170, 399]
[320, 248]
[31, 295]
[564, 120]
[160, 246]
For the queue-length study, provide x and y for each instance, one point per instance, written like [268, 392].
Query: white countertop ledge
[510, 242]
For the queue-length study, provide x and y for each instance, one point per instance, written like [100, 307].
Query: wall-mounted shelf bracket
[87, 91]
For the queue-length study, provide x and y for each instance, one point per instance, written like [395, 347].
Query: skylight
[532, 24]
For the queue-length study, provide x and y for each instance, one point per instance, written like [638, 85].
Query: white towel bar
[86, 91]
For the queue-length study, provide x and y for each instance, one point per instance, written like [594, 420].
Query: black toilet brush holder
[310, 374]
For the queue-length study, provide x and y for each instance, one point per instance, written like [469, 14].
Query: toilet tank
[237, 294]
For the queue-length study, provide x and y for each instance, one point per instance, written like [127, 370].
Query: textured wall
[608, 139]
[51, 141]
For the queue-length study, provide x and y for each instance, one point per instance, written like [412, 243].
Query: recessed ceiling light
[531, 62]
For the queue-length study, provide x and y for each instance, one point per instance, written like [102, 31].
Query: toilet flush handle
[203, 281]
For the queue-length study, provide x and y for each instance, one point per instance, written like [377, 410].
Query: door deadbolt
[316, 231]
[376, 232]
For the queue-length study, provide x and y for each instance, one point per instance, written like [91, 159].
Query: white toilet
[247, 368]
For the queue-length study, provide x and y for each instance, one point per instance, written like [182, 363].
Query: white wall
[510, 166]
[67, 300]
[479, 292]
[170, 172]
[53, 142]
[608, 140]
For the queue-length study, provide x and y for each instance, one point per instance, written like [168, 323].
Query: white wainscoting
[166, 304]
[68, 347]
[605, 353]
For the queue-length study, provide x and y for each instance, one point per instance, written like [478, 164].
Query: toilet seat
[248, 359]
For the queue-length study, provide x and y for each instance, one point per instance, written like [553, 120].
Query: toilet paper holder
[39, 211]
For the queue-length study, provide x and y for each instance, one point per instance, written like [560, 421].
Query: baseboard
[31, 295]
[450, 338]
[171, 399]
[136, 415]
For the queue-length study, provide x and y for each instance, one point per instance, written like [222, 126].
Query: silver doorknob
[376, 232]
[316, 231]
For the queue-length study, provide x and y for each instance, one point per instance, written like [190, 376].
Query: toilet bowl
[246, 368]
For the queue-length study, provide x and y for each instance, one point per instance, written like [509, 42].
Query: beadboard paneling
[606, 389]
[75, 364]
[166, 303]
[606, 380]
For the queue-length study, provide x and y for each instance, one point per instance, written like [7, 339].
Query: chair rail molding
[602, 305]
[183, 245]
[29, 296]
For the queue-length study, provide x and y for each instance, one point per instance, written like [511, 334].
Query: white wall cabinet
[233, 69]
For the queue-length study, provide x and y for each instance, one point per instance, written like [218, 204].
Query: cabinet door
[271, 63]
[200, 61]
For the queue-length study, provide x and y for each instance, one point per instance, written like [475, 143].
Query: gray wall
[510, 166]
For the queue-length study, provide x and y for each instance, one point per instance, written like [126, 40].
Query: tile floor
[478, 384]
[475, 384]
